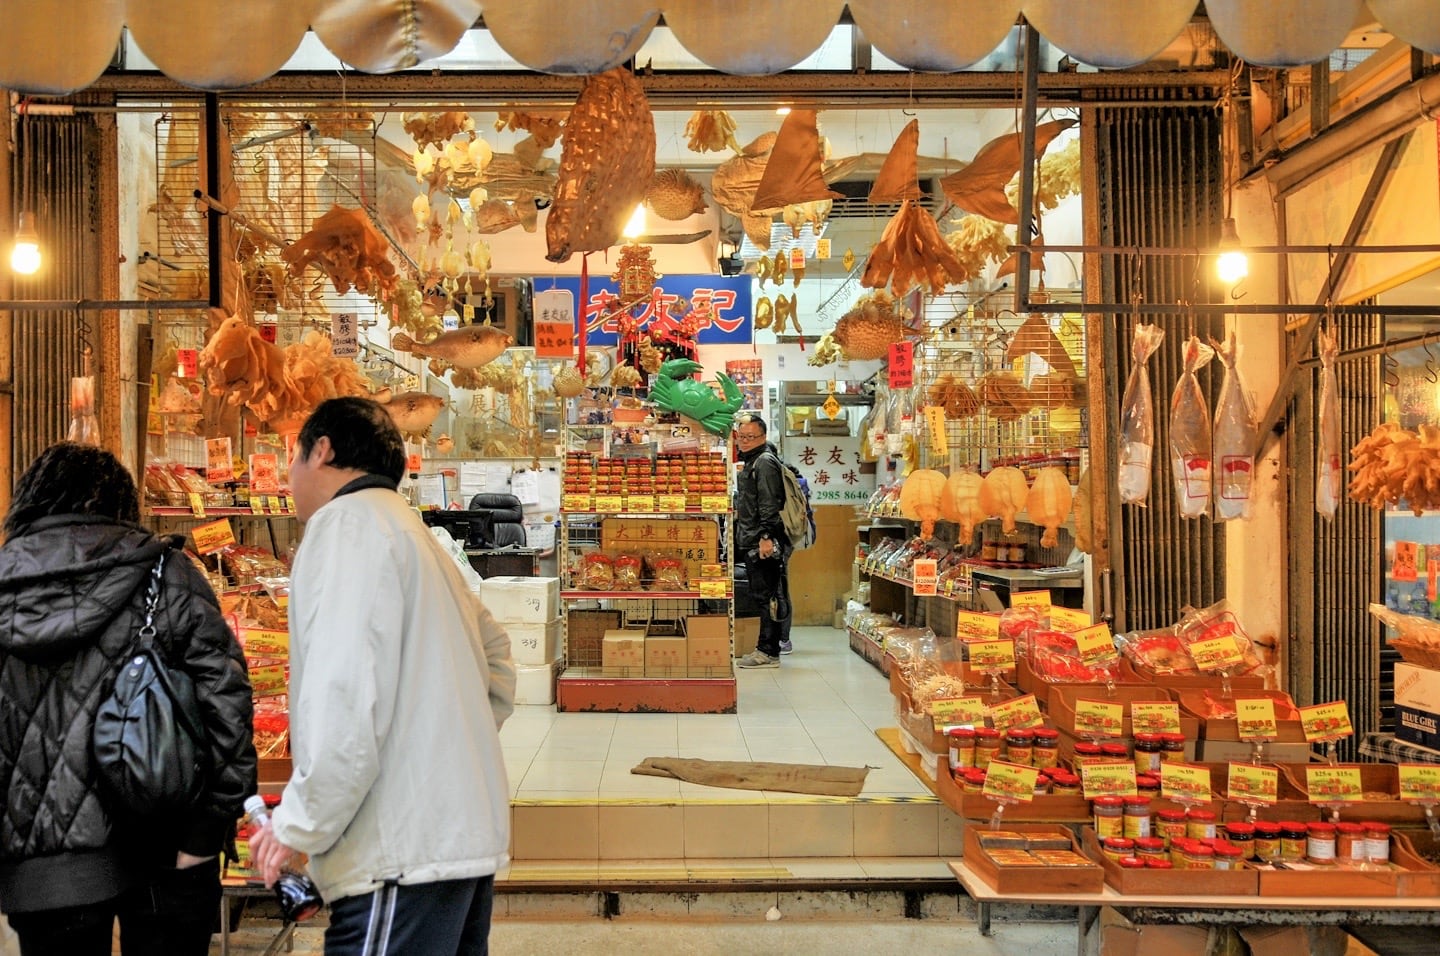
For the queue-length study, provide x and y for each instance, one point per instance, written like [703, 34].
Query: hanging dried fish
[980, 187]
[911, 252]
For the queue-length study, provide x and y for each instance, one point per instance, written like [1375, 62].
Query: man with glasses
[760, 539]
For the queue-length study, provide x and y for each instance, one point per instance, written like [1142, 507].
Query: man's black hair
[362, 435]
[750, 418]
[72, 479]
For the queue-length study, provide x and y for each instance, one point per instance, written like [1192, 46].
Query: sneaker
[758, 659]
[786, 647]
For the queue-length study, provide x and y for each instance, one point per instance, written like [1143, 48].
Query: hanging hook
[1430, 375]
[1389, 372]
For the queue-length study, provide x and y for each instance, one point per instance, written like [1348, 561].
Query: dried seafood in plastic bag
[1190, 434]
[1137, 418]
[1329, 476]
[1234, 439]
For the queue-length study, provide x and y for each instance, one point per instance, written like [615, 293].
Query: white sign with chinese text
[831, 465]
[344, 335]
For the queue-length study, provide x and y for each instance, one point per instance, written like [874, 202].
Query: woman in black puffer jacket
[73, 570]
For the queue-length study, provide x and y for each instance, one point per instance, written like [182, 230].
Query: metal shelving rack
[583, 685]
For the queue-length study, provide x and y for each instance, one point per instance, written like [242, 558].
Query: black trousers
[767, 580]
[172, 913]
[448, 918]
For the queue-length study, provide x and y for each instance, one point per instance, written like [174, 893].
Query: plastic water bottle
[296, 893]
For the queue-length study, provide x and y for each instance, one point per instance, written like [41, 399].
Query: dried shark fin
[899, 176]
[793, 171]
[980, 187]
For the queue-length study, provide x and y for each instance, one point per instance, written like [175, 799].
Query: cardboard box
[534, 644]
[623, 654]
[535, 684]
[516, 600]
[584, 631]
[1417, 705]
[1032, 879]
[1418, 727]
[708, 648]
[1120, 937]
[747, 635]
[1241, 882]
[666, 657]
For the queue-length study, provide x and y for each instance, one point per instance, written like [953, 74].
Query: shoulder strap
[145, 637]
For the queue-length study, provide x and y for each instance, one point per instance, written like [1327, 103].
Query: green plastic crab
[674, 390]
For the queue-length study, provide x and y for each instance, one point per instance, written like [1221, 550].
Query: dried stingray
[793, 172]
[980, 187]
[1035, 337]
[606, 165]
[899, 176]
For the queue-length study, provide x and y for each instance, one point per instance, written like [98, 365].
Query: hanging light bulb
[635, 227]
[25, 256]
[1233, 265]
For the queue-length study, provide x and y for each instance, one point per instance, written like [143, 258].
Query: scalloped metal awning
[59, 46]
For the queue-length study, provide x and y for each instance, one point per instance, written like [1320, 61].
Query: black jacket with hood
[72, 597]
[760, 497]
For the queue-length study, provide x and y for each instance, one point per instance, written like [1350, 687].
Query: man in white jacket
[399, 682]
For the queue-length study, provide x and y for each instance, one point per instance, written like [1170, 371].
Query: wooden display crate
[1192, 704]
[1420, 877]
[921, 725]
[1048, 808]
[1241, 882]
[1339, 881]
[1140, 672]
[1032, 879]
[1064, 696]
[1030, 682]
[1375, 778]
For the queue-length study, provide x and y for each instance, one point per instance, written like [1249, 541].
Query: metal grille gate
[1335, 650]
[1160, 184]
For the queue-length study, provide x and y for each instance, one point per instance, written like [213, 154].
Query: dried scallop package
[1234, 439]
[1190, 434]
[1137, 418]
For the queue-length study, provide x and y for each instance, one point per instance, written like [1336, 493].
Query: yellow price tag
[1249, 783]
[1326, 721]
[214, 536]
[1185, 783]
[714, 504]
[641, 504]
[1108, 779]
[1068, 619]
[197, 504]
[609, 504]
[257, 505]
[1030, 599]
[260, 642]
[1420, 781]
[574, 502]
[1098, 717]
[268, 680]
[974, 626]
[1020, 712]
[935, 418]
[993, 655]
[955, 711]
[1217, 654]
[1010, 783]
[714, 589]
[1155, 717]
[1096, 644]
[1256, 718]
[1333, 784]
[670, 504]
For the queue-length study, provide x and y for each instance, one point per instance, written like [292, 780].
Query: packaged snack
[626, 569]
[244, 564]
[272, 734]
[1137, 418]
[669, 574]
[597, 572]
[1234, 439]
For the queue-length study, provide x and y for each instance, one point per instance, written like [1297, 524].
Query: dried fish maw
[899, 176]
[1002, 493]
[793, 171]
[1048, 503]
[980, 187]
[912, 252]
[606, 165]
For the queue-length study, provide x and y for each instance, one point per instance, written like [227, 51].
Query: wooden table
[1233, 910]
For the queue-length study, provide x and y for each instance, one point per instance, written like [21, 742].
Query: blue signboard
[721, 304]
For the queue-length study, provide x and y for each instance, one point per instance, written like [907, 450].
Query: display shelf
[687, 513]
[580, 594]
[907, 583]
[219, 512]
[580, 692]
[870, 649]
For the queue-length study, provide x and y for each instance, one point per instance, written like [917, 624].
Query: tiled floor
[576, 805]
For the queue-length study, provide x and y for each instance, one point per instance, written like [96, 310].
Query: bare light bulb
[1233, 265]
[635, 228]
[25, 256]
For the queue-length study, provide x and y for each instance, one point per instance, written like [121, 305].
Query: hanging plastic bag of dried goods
[1234, 442]
[1190, 434]
[84, 428]
[1137, 418]
[1329, 473]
